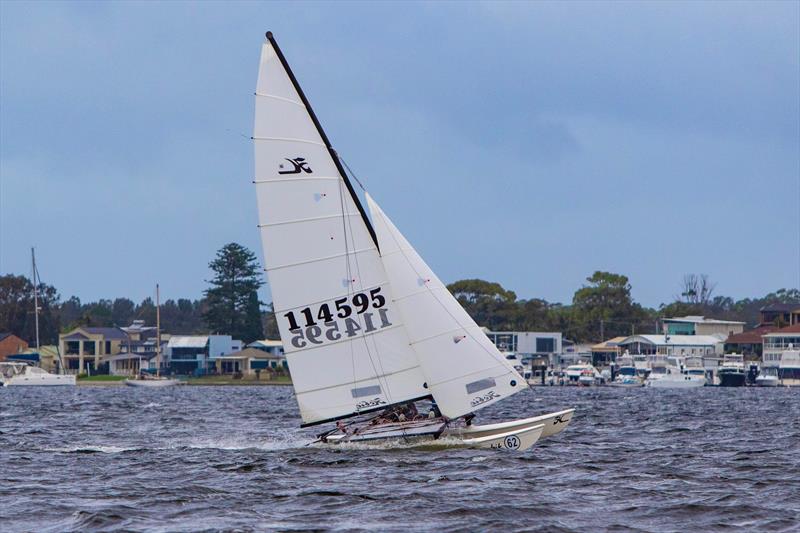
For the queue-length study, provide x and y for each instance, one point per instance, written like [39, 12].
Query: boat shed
[680, 345]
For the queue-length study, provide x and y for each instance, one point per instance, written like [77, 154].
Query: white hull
[769, 381]
[681, 381]
[517, 435]
[41, 380]
[153, 383]
[626, 384]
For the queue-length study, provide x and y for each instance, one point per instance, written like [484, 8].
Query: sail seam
[425, 291]
[287, 139]
[316, 259]
[276, 97]
[355, 382]
[309, 219]
[303, 178]
[412, 343]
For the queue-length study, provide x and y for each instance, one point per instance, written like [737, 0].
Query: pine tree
[232, 300]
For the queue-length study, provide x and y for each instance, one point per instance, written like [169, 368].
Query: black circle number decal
[512, 442]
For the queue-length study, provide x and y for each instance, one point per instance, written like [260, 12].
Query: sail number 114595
[363, 312]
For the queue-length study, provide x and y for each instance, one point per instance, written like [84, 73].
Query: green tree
[488, 303]
[232, 300]
[17, 313]
[606, 304]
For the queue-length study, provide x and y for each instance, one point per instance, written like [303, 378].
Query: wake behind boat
[366, 324]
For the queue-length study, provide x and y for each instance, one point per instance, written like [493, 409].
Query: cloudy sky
[528, 144]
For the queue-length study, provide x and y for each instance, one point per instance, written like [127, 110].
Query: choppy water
[232, 458]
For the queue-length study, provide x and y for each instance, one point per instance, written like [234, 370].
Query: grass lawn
[102, 377]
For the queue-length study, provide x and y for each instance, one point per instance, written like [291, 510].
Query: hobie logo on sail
[299, 164]
[369, 403]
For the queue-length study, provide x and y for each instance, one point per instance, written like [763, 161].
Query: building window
[545, 345]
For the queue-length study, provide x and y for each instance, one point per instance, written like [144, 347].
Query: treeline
[230, 305]
[602, 308]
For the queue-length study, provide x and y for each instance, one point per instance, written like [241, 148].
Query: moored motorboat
[21, 374]
[672, 376]
[768, 377]
[731, 371]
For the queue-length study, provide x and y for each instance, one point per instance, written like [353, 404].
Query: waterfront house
[538, 347]
[250, 360]
[197, 354]
[749, 343]
[700, 325]
[780, 314]
[10, 344]
[778, 341]
[606, 352]
[83, 349]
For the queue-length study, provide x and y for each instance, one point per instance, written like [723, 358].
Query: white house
[680, 345]
[197, 354]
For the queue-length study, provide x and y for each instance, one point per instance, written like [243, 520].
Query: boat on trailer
[366, 325]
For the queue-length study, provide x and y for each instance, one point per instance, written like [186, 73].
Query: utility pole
[602, 330]
[158, 333]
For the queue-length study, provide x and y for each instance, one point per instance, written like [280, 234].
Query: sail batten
[345, 343]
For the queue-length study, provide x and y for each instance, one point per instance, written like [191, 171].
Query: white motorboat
[672, 376]
[367, 325]
[15, 374]
[627, 375]
[731, 371]
[768, 377]
[582, 374]
[789, 368]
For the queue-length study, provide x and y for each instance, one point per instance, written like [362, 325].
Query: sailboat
[147, 380]
[368, 328]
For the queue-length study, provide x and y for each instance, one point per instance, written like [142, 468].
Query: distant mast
[158, 333]
[35, 297]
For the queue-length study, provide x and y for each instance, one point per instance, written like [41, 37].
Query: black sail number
[347, 316]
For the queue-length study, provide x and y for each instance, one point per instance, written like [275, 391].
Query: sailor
[434, 412]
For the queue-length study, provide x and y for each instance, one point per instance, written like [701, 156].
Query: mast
[158, 333]
[35, 297]
[331, 150]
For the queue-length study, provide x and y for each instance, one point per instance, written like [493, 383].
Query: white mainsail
[464, 369]
[345, 343]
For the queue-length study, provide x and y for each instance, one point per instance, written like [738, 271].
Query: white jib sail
[345, 344]
[464, 369]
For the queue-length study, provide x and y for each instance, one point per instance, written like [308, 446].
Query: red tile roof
[750, 337]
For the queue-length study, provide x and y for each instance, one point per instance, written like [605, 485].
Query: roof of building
[610, 345]
[674, 340]
[783, 331]
[75, 336]
[697, 319]
[752, 336]
[188, 341]
[267, 343]
[785, 307]
[114, 334]
[4, 335]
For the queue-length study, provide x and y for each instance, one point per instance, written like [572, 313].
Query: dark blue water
[232, 458]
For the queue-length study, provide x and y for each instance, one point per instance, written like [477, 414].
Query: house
[250, 360]
[700, 325]
[680, 345]
[780, 314]
[83, 349]
[778, 341]
[749, 343]
[10, 344]
[537, 346]
[197, 354]
[45, 357]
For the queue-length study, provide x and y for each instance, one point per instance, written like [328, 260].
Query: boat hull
[44, 380]
[151, 383]
[666, 383]
[767, 381]
[554, 423]
[732, 379]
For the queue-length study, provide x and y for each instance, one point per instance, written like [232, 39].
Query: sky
[525, 143]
